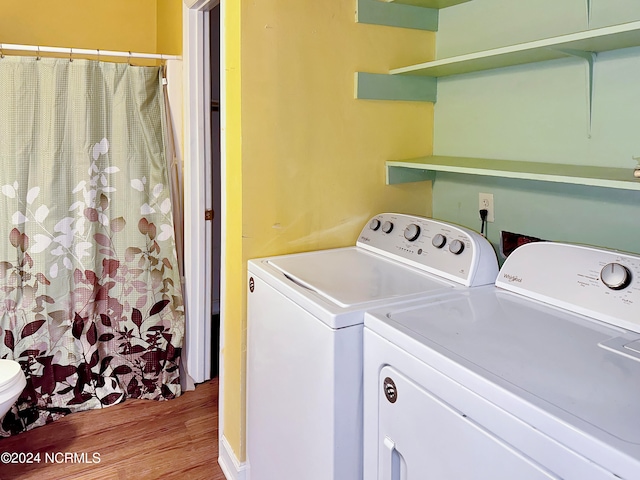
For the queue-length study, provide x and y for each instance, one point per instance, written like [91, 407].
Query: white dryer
[304, 337]
[536, 378]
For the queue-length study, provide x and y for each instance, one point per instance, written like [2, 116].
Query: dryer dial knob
[456, 247]
[374, 224]
[412, 232]
[387, 227]
[439, 241]
[615, 276]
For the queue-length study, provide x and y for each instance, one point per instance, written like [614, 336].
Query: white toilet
[12, 382]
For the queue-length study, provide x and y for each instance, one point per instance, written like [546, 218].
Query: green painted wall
[612, 12]
[551, 211]
[484, 24]
[540, 112]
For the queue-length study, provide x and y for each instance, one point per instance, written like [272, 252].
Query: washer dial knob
[439, 240]
[374, 224]
[615, 276]
[412, 232]
[387, 227]
[456, 247]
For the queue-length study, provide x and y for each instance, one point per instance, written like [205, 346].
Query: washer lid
[9, 370]
[353, 276]
[523, 345]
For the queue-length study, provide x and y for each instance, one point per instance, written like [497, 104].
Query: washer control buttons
[412, 232]
[439, 241]
[387, 227]
[615, 276]
[374, 224]
[456, 247]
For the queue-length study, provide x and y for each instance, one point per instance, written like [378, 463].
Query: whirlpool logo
[512, 278]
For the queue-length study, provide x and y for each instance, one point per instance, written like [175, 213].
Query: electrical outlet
[485, 201]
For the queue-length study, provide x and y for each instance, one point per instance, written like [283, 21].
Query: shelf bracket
[396, 15]
[590, 57]
[380, 86]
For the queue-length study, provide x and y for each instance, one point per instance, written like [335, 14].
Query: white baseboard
[231, 467]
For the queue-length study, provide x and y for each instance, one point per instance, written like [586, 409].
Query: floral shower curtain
[90, 296]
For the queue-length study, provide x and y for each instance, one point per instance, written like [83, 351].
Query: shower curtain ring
[70, 53]
[38, 55]
[130, 59]
[1, 51]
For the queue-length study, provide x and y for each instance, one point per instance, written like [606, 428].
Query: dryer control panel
[599, 283]
[453, 252]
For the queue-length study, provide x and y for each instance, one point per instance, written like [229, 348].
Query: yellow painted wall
[233, 348]
[169, 28]
[149, 26]
[305, 160]
[114, 25]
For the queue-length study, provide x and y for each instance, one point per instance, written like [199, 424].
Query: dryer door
[421, 437]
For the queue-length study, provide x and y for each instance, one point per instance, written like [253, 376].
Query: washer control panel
[599, 283]
[447, 250]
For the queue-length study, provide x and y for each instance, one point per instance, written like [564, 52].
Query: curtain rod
[84, 51]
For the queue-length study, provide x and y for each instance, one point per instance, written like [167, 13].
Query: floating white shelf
[429, 3]
[591, 41]
[425, 168]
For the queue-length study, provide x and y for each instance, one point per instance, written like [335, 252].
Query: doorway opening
[214, 215]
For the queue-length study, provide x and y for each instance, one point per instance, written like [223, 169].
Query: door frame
[197, 180]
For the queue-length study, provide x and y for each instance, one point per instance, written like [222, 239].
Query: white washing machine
[536, 378]
[304, 337]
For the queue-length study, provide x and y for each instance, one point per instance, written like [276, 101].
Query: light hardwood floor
[138, 439]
